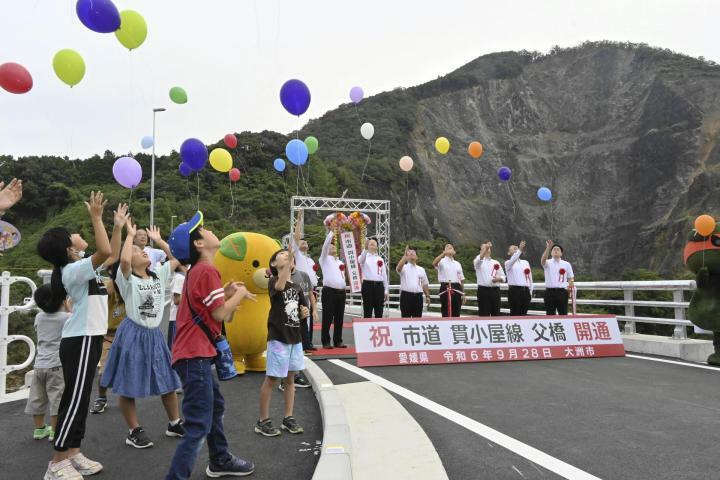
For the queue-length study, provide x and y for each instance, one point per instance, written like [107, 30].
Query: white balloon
[406, 164]
[367, 130]
[147, 142]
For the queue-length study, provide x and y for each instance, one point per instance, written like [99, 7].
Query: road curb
[335, 462]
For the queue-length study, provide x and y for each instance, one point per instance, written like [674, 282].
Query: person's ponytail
[52, 247]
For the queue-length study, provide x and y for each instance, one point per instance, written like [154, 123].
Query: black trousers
[333, 313]
[306, 330]
[519, 300]
[556, 301]
[373, 298]
[488, 301]
[411, 305]
[79, 357]
[450, 299]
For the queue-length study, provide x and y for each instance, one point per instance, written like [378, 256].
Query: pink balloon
[406, 163]
[230, 140]
[356, 94]
[234, 175]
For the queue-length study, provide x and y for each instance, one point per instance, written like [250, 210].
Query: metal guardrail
[628, 303]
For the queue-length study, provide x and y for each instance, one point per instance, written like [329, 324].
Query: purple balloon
[100, 16]
[504, 173]
[295, 97]
[185, 170]
[194, 153]
[356, 94]
[127, 172]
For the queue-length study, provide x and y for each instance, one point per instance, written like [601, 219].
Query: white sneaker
[84, 465]
[62, 471]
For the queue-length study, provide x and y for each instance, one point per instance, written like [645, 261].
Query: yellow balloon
[69, 66]
[442, 145]
[133, 29]
[221, 160]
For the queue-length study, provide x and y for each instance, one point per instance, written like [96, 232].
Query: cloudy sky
[232, 56]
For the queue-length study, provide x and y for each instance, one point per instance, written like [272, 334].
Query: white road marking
[518, 471]
[553, 464]
[661, 360]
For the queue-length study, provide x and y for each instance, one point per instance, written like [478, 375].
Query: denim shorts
[283, 358]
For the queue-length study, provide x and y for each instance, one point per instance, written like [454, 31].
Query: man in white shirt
[519, 279]
[489, 277]
[559, 278]
[304, 263]
[333, 292]
[176, 292]
[452, 282]
[413, 283]
[375, 284]
[155, 255]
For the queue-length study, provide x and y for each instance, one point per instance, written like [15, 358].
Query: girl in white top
[375, 285]
[519, 279]
[452, 282]
[559, 278]
[139, 363]
[489, 277]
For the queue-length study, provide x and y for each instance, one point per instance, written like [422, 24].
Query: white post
[4, 320]
[629, 312]
[152, 171]
[680, 332]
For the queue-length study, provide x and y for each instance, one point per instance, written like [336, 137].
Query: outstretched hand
[121, 215]
[130, 228]
[10, 194]
[549, 244]
[96, 204]
[153, 233]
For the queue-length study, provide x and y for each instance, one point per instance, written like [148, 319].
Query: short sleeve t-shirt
[302, 280]
[203, 289]
[116, 307]
[90, 300]
[284, 317]
[49, 332]
[145, 297]
[177, 289]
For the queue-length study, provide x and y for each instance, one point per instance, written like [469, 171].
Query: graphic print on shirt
[97, 297]
[151, 295]
[290, 298]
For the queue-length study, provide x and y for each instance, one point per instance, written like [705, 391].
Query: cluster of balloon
[504, 173]
[406, 163]
[230, 140]
[185, 170]
[705, 225]
[442, 145]
[147, 142]
[194, 154]
[279, 165]
[178, 95]
[356, 95]
[475, 149]
[297, 152]
[133, 29]
[295, 97]
[221, 160]
[127, 172]
[15, 78]
[544, 194]
[100, 16]
[312, 144]
[69, 66]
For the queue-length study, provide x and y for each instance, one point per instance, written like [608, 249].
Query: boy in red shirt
[193, 353]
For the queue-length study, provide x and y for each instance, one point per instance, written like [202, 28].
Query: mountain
[625, 136]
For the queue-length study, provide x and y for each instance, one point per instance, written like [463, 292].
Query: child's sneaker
[51, 434]
[62, 471]
[176, 430]
[99, 405]
[138, 439]
[281, 385]
[265, 427]
[301, 381]
[40, 433]
[235, 467]
[291, 425]
[84, 466]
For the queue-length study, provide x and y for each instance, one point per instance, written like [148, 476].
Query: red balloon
[230, 140]
[15, 78]
[234, 175]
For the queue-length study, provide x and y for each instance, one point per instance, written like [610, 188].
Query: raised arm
[403, 260]
[548, 246]
[120, 217]
[127, 250]
[154, 234]
[95, 206]
[326, 246]
[436, 262]
[225, 312]
[297, 234]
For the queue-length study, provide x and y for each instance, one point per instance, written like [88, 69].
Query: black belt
[411, 293]
[556, 289]
[374, 282]
[519, 286]
[334, 289]
[488, 288]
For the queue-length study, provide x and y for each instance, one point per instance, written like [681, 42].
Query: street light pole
[152, 171]
[172, 223]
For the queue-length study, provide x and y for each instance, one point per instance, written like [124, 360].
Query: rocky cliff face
[625, 136]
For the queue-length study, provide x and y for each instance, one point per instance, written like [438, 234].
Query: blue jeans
[171, 335]
[203, 408]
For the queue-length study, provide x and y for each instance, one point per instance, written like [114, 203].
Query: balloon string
[552, 219]
[297, 182]
[357, 113]
[198, 190]
[362, 177]
[190, 195]
[130, 199]
[232, 197]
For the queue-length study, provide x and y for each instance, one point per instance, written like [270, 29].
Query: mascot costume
[702, 257]
[245, 257]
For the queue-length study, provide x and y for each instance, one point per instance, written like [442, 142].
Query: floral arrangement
[356, 222]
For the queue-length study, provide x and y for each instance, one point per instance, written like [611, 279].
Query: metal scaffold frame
[381, 209]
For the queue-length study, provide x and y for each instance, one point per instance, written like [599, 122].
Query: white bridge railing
[678, 306]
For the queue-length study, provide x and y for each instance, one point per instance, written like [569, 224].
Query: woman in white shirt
[519, 279]
[489, 277]
[452, 282]
[558, 279]
[375, 286]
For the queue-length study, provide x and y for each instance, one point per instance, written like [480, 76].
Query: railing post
[4, 320]
[680, 332]
[629, 312]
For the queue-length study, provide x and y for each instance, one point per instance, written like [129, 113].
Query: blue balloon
[100, 16]
[504, 173]
[295, 97]
[185, 170]
[147, 142]
[297, 152]
[544, 194]
[194, 153]
[279, 164]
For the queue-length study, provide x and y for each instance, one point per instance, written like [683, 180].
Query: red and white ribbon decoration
[380, 265]
[527, 276]
[496, 267]
[573, 296]
[561, 277]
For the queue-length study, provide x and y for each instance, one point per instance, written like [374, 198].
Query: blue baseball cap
[179, 240]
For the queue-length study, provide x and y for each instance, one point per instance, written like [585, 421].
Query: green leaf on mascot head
[234, 246]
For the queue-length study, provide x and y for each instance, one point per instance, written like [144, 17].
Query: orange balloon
[475, 149]
[705, 225]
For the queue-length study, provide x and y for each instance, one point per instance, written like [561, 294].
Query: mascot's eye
[715, 240]
[256, 264]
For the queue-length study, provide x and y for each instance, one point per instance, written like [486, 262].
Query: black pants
[373, 298]
[79, 357]
[488, 301]
[556, 301]
[411, 305]
[519, 300]
[450, 299]
[333, 313]
[306, 331]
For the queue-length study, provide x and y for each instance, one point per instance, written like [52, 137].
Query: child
[82, 334]
[285, 358]
[139, 361]
[204, 300]
[177, 289]
[47, 384]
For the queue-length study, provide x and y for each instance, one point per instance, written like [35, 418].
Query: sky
[232, 57]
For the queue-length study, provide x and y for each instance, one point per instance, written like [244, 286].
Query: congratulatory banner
[482, 339]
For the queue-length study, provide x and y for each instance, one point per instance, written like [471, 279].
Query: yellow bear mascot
[245, 257]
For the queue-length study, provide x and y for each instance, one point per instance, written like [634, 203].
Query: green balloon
[69, 66]
[178, 95]
[312, 144]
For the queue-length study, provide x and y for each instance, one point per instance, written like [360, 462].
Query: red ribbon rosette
[315, 267]
[380, 265]
[562, 275]
[562, 271]
[496, 267]
[527, 271]
[342, 267]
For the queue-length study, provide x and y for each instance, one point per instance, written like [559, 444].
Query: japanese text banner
[476, 339]
[351, 261]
